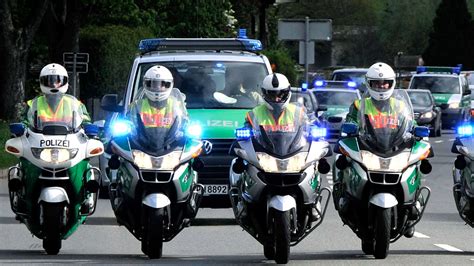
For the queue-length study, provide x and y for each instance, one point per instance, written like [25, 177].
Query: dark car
[306, 99]
[425, 110]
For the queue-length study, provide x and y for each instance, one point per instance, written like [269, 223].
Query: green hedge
[6, 159]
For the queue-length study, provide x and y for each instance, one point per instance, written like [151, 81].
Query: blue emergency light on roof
[243, 133]
[430, 69]
[318, 132]
[319, 83]
[173, 44]
[242, 34]
[465, 130]
[351, 84]
[304, 86]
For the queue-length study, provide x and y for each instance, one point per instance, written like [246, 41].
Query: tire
[368, 246]
[152, 236]
[382, 232]
[438, 129]
[282, 236]
[269, 251]
[52, 214]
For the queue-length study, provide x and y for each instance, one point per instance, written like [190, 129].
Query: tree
[450, 42]
[19, 22]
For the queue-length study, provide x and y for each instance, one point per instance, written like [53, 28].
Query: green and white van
[220, 79]
[450, 91]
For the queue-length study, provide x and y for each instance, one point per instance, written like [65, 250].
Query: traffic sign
[295, 29]
[80, 57]
[80, 67]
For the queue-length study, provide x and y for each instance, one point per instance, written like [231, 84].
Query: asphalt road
[441, 237]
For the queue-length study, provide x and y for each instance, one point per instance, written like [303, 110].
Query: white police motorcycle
[53, 188]
[463, 176]
[275, 184]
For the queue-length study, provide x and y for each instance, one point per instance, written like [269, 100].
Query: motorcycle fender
[156, 200]
[53, 195]
[384, 200]
[282, 203]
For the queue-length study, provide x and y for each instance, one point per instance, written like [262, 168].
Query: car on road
[334, 99]
[450, 90]
[219, 77]
[307, 99]
[425, 111]
[351, 74]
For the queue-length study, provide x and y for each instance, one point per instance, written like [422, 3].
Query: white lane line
[420, 235]
[438, 141]
[451, 139]
[448, 248]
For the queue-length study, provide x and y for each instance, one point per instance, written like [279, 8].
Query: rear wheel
[52, 216]
[282, 236]
[382, 232]
[152, 238]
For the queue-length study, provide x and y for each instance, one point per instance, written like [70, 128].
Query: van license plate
[215, 190]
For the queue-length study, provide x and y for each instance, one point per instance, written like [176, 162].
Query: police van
[450, 90]
[220, 78]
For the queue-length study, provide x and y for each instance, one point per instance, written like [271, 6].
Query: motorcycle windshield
[384, 124]
[65, 120]
[282, 142]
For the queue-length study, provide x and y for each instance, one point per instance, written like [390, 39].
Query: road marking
[420, 235]
[451, 139]
[438, 141]
[448, 248]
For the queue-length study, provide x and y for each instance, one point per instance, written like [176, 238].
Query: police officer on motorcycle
[277, 113]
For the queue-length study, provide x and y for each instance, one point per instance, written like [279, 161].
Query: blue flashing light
[351, 84]
[420, 69]
[91, 130]
[456, 70]
[465, 130]
[243, 133]
[121, 128]
[17, 129]
[148, 45]
[451, 70]
[251, 44]
[219, 65]
[194, 131]
[304, 86]
[242, 34]
[319, 83]
[318, 132]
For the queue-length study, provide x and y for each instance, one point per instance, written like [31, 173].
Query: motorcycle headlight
[453, 105]
[427, 115]
[376, 163]
[165, 162]
[270, 164]
[54, 155]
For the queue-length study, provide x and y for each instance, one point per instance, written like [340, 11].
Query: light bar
[169, 44]
[319, 83]
[318, 132]
[465, 130]
[243, 133]
[351, 84]
[304, 86]
[431, 69]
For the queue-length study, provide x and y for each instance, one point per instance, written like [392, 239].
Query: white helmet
[53, 79]
[158, 82]
[276, 91]
[380, 80]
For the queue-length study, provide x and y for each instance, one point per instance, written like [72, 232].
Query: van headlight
[427, 115]
[453, 105]
[165, 162]
[270, 164]
[54, 155]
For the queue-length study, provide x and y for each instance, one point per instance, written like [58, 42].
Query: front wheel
[269, 251]
[52, 216]
[281, 232]
[382, 232]
[152, 237]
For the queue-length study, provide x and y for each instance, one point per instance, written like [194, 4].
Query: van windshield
[441, 85]
[211, 84]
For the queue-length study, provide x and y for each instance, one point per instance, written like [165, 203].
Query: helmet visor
[157, 85]
[276, 96]
[53, 81]
[381, 85]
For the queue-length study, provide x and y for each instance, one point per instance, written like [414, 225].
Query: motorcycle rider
[54, 105]
[162, 104]
[276, 113]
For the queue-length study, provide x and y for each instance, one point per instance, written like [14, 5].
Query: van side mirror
[110, 103]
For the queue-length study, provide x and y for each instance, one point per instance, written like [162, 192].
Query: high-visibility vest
[156, 117]
[261, 116]
[63, 113]
[380, 119]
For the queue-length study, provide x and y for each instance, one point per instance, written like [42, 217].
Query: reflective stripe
[156, 117]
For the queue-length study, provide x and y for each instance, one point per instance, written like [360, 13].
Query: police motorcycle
[463, 189]
[155, 193]
[275, 184]
[53, 188]
[377, 174]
